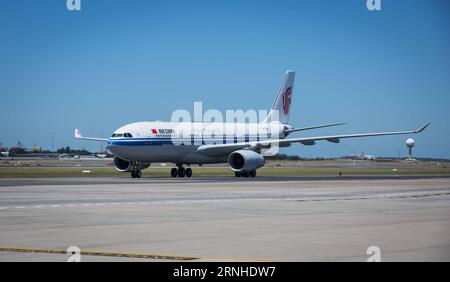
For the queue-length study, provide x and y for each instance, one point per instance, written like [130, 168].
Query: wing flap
[308, 142]
[333, 140]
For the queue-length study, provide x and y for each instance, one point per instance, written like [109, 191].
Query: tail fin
[282, 103]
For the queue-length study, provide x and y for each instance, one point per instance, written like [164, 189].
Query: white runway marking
[229, 200]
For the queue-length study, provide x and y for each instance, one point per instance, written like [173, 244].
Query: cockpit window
[118, 135]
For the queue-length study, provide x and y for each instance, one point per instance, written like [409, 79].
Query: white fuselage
[177, 142]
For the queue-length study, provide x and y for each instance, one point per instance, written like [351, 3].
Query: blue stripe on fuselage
[171, 141]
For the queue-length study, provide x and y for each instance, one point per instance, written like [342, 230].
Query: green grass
[44, 172]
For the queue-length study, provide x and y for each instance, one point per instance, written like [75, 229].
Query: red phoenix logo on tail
[287, 100]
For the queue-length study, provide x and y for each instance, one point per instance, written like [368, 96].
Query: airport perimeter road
[283, 219]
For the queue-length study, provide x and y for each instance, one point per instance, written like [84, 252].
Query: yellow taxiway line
[125, 255]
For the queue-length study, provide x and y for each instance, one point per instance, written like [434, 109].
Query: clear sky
[121, 61]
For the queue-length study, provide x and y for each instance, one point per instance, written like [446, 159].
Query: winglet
[422, 128]
[77, 133]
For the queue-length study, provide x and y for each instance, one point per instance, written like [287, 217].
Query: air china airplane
[241, 145]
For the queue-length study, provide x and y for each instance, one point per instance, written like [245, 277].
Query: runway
[166, 180]
[267, 218]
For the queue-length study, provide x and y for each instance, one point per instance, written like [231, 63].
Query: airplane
[241, 145]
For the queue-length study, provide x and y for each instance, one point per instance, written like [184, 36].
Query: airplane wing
[79, 136]
[287, 131]
[223, 149]
[228, 148]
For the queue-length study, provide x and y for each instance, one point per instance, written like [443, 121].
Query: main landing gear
[136, 173]
[181, 171]
[251, 173]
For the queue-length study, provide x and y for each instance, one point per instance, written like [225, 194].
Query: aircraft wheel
[181, 172]
[237, 174]
[245, 174]
[174, 172]
[188, 172]
[136, 173]
[252, 173]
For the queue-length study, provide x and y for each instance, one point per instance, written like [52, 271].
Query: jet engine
[124, 166]
[245, 160]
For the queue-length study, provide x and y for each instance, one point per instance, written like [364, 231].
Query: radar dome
[410, 142]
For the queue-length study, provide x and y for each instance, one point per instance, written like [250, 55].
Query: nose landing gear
[136, 173]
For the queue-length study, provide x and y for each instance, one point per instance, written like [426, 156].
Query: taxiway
[281, 219]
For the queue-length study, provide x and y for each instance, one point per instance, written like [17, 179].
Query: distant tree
[63, 150]
[282, 157]
[17, 151]
[81, 152]
[3, 148]
[68, 150]
[293, 158]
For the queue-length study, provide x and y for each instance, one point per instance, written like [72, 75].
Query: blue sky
[116, 62]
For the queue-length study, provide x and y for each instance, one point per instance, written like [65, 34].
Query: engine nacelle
[124, 166]
[245, 160]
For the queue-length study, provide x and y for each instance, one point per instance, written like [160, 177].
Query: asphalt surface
[165, 180]
[266, 218]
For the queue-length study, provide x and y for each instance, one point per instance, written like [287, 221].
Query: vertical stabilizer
[282, 103]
